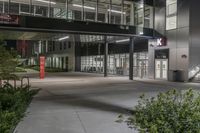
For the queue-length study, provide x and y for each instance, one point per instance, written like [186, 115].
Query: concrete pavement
[86, 103]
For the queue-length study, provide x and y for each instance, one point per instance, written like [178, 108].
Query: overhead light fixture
[124, 40]
[115, 11]
[141, 5]
[141, 33]
[86, 7]
[45, 1]
[63, 38]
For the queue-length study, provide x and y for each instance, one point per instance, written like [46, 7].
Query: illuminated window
[171, 14]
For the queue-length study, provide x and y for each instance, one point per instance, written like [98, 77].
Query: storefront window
[118, 64]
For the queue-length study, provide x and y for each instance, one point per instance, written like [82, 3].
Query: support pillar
[131, 51]
[105, 57]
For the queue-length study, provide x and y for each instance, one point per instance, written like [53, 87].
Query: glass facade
[122, 12]
[118, 64]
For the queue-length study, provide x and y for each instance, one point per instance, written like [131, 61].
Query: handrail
[22, 80]
[191, 78]
[15, 81]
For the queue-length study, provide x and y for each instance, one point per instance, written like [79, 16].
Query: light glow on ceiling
[86, 7]
[123, 40]
[115, 11]
[63, 38]
[45, 1]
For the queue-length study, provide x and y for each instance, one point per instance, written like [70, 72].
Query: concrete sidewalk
[86, 103]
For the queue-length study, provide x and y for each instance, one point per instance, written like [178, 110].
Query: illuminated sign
[161, 42]
[9, 19]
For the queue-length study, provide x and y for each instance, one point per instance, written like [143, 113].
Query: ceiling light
[124, 40]
[115, 11]
[63, 38]
[141, 33]
[44, 1]
[86, 7]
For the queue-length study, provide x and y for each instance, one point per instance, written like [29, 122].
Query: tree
[8, 62]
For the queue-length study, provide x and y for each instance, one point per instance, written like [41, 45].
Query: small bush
[13, 104]
[170, 112]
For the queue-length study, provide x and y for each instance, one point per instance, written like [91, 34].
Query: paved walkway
[86, 103]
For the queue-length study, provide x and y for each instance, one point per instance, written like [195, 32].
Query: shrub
[170, 112]
[13, 104]
[8, 60]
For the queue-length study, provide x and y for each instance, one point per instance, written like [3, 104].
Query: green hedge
[170, 112]
[13, 104]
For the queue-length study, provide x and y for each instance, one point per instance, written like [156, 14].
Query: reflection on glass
[122, 12]
[117, 12]
[139, 14]
[90, 10]
[103, 11]
[41, 7]
[171, 14]
[14, 7]
[4, 6]
[128, 16]
[75, 10]
[59, 9]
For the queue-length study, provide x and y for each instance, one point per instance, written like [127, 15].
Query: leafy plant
[8, 63]
[170, 112]
[13, 104]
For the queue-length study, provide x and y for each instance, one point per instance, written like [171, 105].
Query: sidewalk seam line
[85, 131]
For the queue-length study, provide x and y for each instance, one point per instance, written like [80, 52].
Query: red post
[42, 67]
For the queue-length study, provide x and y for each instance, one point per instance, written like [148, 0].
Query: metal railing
[14, 81]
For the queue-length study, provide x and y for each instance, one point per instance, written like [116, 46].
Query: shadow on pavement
[86, 103]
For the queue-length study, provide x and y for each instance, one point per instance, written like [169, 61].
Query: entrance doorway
[142, 70]
[161, 69]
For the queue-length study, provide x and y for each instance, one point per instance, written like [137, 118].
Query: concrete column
[105, 56]
[131, 51]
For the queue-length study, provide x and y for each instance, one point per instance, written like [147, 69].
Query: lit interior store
[91, 57]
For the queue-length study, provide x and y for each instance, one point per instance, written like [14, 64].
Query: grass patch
[47, 69]
[19, 69]
[13, 104]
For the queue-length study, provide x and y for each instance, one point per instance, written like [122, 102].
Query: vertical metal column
[83, 11]
[131, 51]
[9, 7]
[67, 9]
[105, 56]
[97, 11]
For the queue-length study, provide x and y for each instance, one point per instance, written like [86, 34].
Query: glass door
[161, 69]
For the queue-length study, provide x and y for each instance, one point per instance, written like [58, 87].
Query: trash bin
[180, 76]
[173, 75]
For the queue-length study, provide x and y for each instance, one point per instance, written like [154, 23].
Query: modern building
[157, 39]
